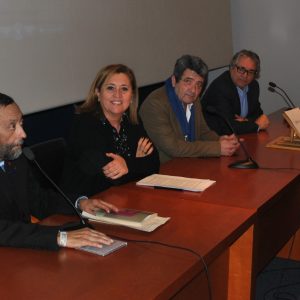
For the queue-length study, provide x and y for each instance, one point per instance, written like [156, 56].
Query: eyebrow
[191, 78]
[123, 84]
[15, 120]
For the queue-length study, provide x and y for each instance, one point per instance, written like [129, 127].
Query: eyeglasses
[243, 71]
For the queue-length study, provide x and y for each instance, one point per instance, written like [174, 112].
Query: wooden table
[237, 225]
[273, 192]
[141, 270]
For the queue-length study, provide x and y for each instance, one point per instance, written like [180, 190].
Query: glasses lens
[242, 70]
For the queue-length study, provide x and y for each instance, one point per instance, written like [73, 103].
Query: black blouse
[90, 139]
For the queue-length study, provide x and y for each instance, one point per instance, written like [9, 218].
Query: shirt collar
[244, 90]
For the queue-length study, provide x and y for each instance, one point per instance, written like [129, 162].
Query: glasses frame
[242, 70]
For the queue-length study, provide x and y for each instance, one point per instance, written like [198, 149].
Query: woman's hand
[144, 147]
[116, 168]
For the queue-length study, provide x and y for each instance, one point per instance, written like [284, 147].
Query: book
[176, 182]
[106, 249]
[292, 116]
[142, 220]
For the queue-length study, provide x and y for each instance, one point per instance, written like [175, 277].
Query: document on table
[176, 182]
[140, 220]
[292, 116]
[106, 249]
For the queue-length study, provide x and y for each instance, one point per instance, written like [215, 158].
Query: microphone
[272, 90]
[28, 153]
[274, 86]
[247, 163]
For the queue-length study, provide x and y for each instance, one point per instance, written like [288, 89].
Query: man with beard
[21, 196]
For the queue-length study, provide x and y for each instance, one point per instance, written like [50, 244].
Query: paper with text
[176, 182]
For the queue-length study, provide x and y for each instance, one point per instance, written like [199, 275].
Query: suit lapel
[12, 190]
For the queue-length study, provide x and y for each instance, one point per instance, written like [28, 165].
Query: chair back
[50, 155]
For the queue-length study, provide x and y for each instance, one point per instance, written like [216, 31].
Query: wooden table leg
[240, 267]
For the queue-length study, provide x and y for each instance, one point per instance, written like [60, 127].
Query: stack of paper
[141, 220]
[106, 249]
[176, 182]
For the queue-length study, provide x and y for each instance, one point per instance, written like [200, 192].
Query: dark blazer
[223, 96]
[20, 197]
[88, 143]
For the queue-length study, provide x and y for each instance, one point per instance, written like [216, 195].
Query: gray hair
[193, 63]
[246, 53]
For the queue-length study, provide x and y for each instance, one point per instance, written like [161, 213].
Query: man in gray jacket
[172, 115]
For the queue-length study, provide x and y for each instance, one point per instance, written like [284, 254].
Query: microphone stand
[247, 163]
[272, 90]
[275, 86]
[68, 226]
[292, 104]
[71, 225]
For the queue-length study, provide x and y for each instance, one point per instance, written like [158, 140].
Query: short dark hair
[247, 53]
[5, 100]
[191, 62]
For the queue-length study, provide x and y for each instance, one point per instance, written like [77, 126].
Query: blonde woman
[108, 144]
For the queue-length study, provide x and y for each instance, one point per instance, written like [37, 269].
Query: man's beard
[10, 151]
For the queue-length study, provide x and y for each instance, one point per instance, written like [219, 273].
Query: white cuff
[63, 238]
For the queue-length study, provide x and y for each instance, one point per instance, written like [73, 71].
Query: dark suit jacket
[223, 96]
[21, 197]
[88, 143]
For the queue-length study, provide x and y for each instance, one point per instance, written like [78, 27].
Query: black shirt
[90, 139]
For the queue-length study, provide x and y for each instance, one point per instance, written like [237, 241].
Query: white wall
[272, 29]
[51, 50]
